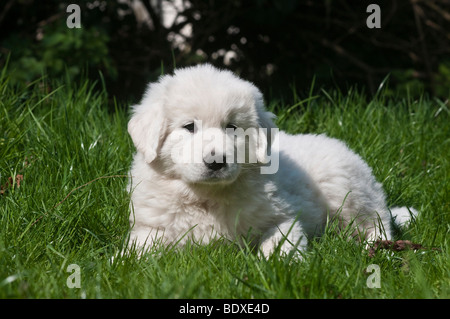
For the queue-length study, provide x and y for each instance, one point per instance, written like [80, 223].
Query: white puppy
[204, 168]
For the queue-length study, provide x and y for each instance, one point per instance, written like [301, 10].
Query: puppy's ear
[265, 121]
[266, 125]
[147, 128]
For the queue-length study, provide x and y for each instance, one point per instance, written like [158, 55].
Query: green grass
[63, 141]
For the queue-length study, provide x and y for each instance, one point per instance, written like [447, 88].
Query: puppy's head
[201, 125]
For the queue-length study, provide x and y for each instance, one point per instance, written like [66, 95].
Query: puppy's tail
[402, 216]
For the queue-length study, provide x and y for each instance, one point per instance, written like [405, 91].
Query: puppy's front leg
[145, 238]
[289, 234]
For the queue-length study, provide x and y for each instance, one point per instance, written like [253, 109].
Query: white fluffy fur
[319, 178]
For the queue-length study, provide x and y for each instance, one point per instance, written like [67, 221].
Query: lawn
[64, 155]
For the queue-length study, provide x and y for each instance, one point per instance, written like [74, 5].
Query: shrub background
[276, 44]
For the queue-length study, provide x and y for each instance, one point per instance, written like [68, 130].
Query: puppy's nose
[215, 166]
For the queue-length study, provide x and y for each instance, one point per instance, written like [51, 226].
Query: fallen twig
[398, 245]
[10, 182]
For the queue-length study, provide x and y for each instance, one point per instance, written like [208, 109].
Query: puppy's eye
[190, 127]
[231, 126]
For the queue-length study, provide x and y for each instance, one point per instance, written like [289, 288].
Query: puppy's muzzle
[215, 164]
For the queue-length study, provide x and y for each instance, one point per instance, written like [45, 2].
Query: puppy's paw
[283, 247]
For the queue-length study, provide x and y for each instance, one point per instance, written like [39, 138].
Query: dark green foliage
[271, 43]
